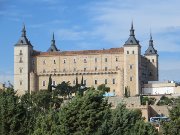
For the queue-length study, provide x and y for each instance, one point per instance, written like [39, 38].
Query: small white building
[2, 86]
[157, 87]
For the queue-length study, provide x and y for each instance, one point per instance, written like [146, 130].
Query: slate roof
[132, 40]
[150, 50]
[53, 47]
[23, 40]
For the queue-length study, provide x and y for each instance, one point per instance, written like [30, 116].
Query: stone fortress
[119, 68]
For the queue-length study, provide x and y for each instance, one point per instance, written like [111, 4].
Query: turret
[132, 62]
[53, 47]
[152, 56]
[22, 59]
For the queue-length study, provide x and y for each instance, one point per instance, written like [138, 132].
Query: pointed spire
[53, 35]
[23, 40]
[53, 40]
[151, 40]
[132, 30]
[132, 24]
[53, 47]
[132, 40]
[23, 31]
[150, 50]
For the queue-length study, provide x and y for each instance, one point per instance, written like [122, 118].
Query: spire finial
[132, 30]
[24, 30]
[53, 40]
[53, 36]
[151, 40]
[132, 25]
[150, 35]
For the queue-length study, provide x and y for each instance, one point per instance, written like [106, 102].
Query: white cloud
[47, 23]
[113, 18]
[67, 34]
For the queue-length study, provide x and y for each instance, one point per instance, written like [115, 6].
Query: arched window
[20, 52]
[20, 60]
[20, 70]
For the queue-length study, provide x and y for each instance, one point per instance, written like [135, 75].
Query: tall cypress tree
[50, 84]
[82, 81]
[76, 81]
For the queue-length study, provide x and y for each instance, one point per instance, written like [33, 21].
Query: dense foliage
[145, 99]
[48, 112]
[165, 101]
[173, 126]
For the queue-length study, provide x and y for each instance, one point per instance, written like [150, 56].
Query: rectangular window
[44, 83]
[105, 81]
[54, 61]
[20, 60]
[116, 59]
[54, 70]
[84, 69]
[64, 61]
[130, 66]
[20, 82]
[74, 60]
[131, 78]
[105, 59]
[44, 71]
[85, 61]
[116, 67]
[54, 83]
[132, 52]
[152, 60]
[95, 59]
[114, 81]
[84, 82]
[95, 82]
[105, 68]
[44, 62]
[20, 70]
[95, 69]
[127, 52]
[20, 53]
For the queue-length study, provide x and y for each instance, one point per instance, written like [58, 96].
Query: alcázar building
[118, 68]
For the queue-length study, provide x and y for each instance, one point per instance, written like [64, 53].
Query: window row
[85, 69]
[128, 52]
[84, 60]
[85, 82]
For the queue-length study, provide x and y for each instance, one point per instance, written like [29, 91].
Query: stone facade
[118, 68]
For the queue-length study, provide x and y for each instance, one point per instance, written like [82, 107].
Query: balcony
[77, 72]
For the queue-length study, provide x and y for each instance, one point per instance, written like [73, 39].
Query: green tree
[103, 88]
[42, 100]
[150, 101]
[84, 114]
[12, 114]
[64, 89]
[47, 124]
[165, 101]
[126, 122]
[50, 84]
[173, 126]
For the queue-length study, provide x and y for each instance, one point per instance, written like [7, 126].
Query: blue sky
[92, 24]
